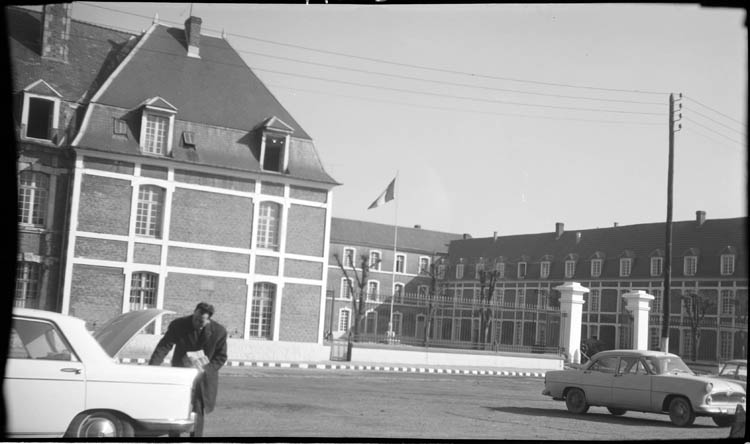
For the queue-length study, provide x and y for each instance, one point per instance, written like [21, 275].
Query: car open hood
[115, 334]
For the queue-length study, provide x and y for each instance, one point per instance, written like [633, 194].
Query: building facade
[401, 274]
[190, 182]
[709, 258]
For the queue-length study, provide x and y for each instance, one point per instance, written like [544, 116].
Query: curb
[403, 369]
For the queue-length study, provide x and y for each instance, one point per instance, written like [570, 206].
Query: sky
[495, 117]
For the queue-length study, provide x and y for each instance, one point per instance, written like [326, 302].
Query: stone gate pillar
[571, 307]
[638, 304]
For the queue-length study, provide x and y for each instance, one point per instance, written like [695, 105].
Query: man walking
[196, 332]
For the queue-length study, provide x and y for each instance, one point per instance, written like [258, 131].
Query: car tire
[575, 401]
[723, 421]
[615, 411]
[680, 412]
[100, 425]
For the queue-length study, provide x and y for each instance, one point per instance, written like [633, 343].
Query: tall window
[261, 311]
[344, 316]
[654, 338]
[400, 263]
[143, 290]
[656, 308]
[594, 301]
[441, 271]
[521, 298]
[27, 285]
[626, 264]
[500, 268]
[686, 306]
[397, 323]
[656, 265]
[346, 291]
[348, 257]
[33, 188]
[155, 140]
[690, 265]
[149, 213]
[374, 260]
[544, 269]
[424, 264]
[596, 267]
[273, 152]
[269, 216]
[727, 302]
[373, 290]
[371, 320]
[459, 271]
[422, 291]
[727, 264]
[41, 118]
[478, 269]
[543, 298]
[570, 268]
[398, 292]
[522, 270]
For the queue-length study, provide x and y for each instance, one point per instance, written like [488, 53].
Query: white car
[63, 381]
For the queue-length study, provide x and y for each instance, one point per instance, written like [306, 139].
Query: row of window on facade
[375, 259]
[690, 267]
[32, 210]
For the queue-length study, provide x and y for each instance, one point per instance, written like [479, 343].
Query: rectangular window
[372, 290]
[596, 267]
[33, 189]
[687, 305]
[521, 270]
[690, 265]
[269, 217]
[520, 298]
[155, 141]
[349, 257]
[656, 307]
[119, 126]
[371, 322]
[27, 285]
[500, 268]
[544, 269]
[397, 323]
[424, 265]
[625, 266]
[344, 316]
[143, 288]
[400, 263]
[478, 270]
[274, 153]
[727, 302]
[725, 345]
[441, 271]
[346, 291]
[459, 271]
[570, 268]
[149, 212]
[656, 266]
[374, 260]
[727, 264]
[594, 301]
[398, 293]
[261, 311]
[40, 118]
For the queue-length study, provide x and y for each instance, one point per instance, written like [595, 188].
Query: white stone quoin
[638, 303]
[571, 307]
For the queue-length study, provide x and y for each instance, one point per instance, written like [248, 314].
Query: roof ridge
[399, 226]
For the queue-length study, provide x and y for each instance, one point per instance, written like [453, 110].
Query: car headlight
[709, 387]
[708, 400]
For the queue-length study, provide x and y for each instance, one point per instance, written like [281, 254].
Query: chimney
[494, 236]
[193, 36]
[559, 228]
[578, 237]
[467, 236]
[55, 31]
[700, 217]
[417, 227]
[615, 224]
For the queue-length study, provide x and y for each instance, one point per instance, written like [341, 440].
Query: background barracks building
[182, 178]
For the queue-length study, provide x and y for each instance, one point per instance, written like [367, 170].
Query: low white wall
[413, 357]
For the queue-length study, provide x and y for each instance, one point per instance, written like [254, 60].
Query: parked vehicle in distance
[645, 381]
[735, 370]
[63, 381]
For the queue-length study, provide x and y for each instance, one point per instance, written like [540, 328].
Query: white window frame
[657, 266]
[373, 295]
[348, 319]
[284, 161]
[33, 198]
[626, 266]
[144, 285]
[149, 219]
[478, 269]
[727, 264]
[726, 298]
[403, 263]
[441, 271]
[459, 271]
[424, 264]
[570, 268]
[690, 265]
[265, 323]
[544, 268]
[371, 314]
[397, 323]
[349, 262]
[596, 267]
[149, 112]
[54, 124]
[345, 292]
[594, 301]
[500, 268]
[521, 297]
[522, 265]
[268, 230]
[656, 304]
[28, 284]
[398, 296]
[375, 265]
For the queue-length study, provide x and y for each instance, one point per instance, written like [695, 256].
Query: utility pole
[668, 254]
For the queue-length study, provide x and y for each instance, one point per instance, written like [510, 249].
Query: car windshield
[734, 370]
[661, 365]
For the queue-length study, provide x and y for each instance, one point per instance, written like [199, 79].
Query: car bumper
[169, 425]
[718, 410]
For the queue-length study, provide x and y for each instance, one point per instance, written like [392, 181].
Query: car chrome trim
[171, 425]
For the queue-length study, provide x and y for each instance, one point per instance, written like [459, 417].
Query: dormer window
[188, 139]
[544, 269]
[596, 267]
[157, 122]
[570, 268]
[41, 110]
[690, 265]
[274, 155]
[626, 265]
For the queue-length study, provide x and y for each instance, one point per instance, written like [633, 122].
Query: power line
[715, 132]
[719, 143]
[463, 110]
[717, 112]
[718, 123]
[389, 62]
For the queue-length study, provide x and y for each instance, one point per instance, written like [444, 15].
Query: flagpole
[395, 242]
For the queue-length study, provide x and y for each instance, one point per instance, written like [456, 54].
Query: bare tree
[358, 297]
[432, 272]
[697, 305]
[487, 283]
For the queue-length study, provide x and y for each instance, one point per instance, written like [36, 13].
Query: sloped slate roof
[217, 89]
[370, 234]
[93, 53]
[641, 239]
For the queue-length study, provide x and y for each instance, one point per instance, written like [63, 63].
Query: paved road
[272, 402]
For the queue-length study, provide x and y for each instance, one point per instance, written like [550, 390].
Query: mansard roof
[358, 233]
[93, 52]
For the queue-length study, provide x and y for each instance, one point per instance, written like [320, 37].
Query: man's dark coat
[212, 340]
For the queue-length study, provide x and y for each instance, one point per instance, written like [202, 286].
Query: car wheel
[723, 421]
[100, 425]
[575, 401]
[615, 411]
[680, 412]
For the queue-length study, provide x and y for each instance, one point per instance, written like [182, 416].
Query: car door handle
[77, 371]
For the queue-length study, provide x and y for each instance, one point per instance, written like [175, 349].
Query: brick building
[416, 250]
[191, 182]
[709, 257]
